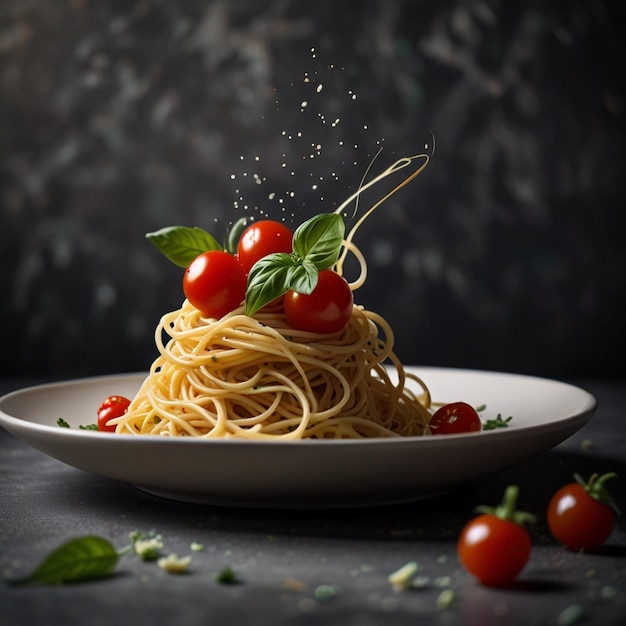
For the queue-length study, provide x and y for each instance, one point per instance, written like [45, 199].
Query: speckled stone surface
[119, 118]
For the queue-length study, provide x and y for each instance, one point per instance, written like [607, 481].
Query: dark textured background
[121, 117]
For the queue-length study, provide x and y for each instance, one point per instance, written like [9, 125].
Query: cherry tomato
[494, 547]
[327, 309]
[582, 515]
[456, 417]
[113, 406]
[263, 238]
[215, 283]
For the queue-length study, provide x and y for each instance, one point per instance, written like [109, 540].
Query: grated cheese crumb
[148, 549]
[445, 599]
[401, 578]
[173, 565]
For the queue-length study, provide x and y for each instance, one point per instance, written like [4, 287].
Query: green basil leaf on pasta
[182, 244]
[268, 279]
[84, 558]
[319, 239]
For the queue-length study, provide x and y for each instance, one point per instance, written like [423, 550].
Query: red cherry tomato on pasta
[582, 515]
[215, 283]
[113, 406]
[263, 238]
[494, 547]
[456, 417]
[327, 309]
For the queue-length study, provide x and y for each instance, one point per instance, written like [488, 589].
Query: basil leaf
[268, 279]
[181, 244]
[319, 239]
[234, 235]
[303, 277]
[83, 558]
[274, 275]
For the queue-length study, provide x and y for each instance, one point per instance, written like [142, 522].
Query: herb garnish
[84, 558]
[498, 422]
[316, 246]
[492, 424]
[226, 576]
[65, 424]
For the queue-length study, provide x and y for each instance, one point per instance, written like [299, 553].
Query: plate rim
[584, 414]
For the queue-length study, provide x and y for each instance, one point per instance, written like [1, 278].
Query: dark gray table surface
[44, 503]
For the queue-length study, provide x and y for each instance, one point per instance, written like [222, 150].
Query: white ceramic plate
[303, 473]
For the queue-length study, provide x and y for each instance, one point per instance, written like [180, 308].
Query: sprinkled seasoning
[325, 593]
[570, 615]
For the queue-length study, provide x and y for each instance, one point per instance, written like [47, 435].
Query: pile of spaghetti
[255, 377]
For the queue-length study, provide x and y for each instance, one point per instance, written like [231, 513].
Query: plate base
[287, 503]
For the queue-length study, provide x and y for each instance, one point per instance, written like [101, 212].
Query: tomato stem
[507, 510]
[596, 489]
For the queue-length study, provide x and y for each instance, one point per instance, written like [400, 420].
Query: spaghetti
[255, 377]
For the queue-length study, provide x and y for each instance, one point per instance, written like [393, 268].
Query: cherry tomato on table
[215, 283]
[113, 406]
[263, 238]
[456, 417]
[494, 546]
[582, 515]
[327, 309]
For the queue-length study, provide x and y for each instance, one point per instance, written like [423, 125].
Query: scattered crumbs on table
[420, 582]
[389, 604]
[442, 558]
[570, 615]
[174, 565]
[325, 593]
[587, 444]
[362, 569]
[226, 576]
[591, 573]
[401, 578]
[608, 592]
[443, 581]
[196, 547]
[147, 547]
[445, 599]
[293, 584]
[306, 604]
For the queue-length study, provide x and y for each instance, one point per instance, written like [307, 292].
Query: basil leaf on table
[84, 558]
